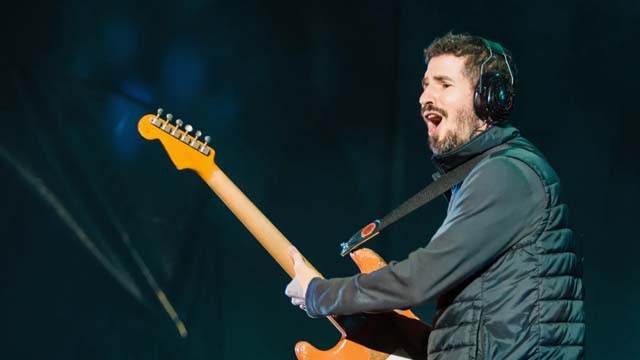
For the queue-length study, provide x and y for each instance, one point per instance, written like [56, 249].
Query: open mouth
[433, 120]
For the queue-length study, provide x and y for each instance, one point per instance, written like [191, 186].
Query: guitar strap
[436, 188]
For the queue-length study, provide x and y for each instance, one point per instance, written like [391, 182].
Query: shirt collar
[493, 136]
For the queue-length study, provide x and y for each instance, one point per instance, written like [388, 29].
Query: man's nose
[426, 98]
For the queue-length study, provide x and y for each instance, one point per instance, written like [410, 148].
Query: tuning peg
[155, 120]
[165, 126]
[187, 129]
[204, 145]
[175, 129]
[195, 139]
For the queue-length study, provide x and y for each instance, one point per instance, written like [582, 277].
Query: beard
[466, 125]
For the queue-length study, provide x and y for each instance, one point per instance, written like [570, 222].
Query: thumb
[295, 254]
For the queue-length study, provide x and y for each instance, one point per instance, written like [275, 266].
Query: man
[503, 265]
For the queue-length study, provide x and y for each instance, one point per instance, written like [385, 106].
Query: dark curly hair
[474, 50]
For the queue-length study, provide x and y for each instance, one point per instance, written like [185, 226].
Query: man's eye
[445, 85]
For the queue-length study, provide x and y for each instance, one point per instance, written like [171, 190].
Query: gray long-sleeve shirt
[494, 206]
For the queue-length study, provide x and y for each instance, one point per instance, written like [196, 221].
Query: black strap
[430, 192]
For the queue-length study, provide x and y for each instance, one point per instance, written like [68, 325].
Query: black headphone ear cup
[493, 98]
[479, 102]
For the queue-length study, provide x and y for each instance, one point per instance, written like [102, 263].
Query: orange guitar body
[363, 336]
[404, 323]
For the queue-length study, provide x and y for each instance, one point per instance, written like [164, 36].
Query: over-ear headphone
[494, 93]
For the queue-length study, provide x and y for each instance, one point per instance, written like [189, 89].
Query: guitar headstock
[186, 151]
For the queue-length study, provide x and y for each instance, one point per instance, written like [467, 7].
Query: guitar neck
[253, 219]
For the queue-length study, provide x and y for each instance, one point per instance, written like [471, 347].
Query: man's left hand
[297, 288]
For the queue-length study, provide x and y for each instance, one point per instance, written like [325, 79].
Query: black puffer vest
[528, 303]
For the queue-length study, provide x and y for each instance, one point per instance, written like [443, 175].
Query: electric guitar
[393, 335]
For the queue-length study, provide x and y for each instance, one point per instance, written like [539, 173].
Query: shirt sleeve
[497, 204]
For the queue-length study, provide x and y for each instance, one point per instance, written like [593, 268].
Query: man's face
[447, 104]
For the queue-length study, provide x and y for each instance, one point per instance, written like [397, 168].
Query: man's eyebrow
[439, 78]
[442, 78]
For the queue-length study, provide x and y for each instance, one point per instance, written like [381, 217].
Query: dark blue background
[312, 107]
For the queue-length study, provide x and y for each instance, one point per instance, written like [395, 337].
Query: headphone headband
[495, 47]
